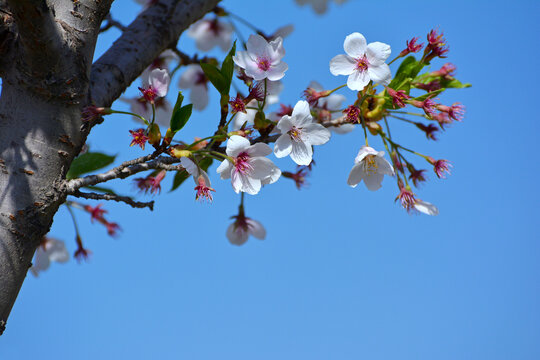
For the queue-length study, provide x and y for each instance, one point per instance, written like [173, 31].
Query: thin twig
[118, 198]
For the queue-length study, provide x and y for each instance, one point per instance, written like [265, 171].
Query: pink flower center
[362, 64]
[242, 164]
[295, 134]
[203, 191]
[263, 63]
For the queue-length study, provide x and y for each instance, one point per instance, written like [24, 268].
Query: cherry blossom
[319, 6]
[248, 167]
[238, 232]
[363, 62]
[193, 78]
[262, 60]
[211, 33]
[200, 177]
[139, 138]
[49, 250]
[370, 166]
[299, 133]
[156, 85]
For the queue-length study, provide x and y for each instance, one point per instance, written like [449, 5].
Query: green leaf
[88, 162]
[430, 94]
[180, 117]
[182, 175]
[179, 100]
[216, 78]
[454, 83]
[408, 69]
[227, 68]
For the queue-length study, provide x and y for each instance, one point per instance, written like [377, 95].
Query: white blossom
[157, 82]
[319, 6]
[249, 169]
[299, 133]
[262, 60]
[193, 78]
[362, 62]
[211, 33]
[238, 232]
[370, 166]
[49, 250]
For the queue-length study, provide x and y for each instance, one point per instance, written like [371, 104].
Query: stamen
[362, 64]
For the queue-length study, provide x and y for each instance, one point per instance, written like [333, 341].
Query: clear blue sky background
[344, 273]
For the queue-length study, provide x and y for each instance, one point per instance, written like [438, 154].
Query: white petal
[380, 74]
[190, 76]
[426, 208]
[274, 176]
[262, 168]
[358, 80]
[284, 31]
[236, 145]
[277, 49]
[356, 175]
[245, 183]
[384, 167]
[363, 152]
[199, 97]
[224, 169]
[277, 72]
[332, 102]
[285, 124]
[257, 46]
[315, 86]
[283, 146]
[159, 80]
[190, 166]
[259, 149]
[56, 250]
[301, 109]
[377, 53]
[342, 65]
[241, 58]
[373, 181]
[301, 153]
[316, 134]
[256, 229]
[238, 236]
[355, 45]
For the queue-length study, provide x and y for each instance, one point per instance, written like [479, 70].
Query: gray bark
[46, 51]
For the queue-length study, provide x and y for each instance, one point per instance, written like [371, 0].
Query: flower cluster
[247, 127]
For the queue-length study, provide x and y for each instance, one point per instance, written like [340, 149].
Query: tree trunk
[46, 51]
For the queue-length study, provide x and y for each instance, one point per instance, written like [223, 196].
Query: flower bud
[154, 135]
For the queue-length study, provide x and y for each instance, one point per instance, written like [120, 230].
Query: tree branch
[121, 172]
[114, 197]
[154, 30]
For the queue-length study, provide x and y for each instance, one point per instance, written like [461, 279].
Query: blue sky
[343, 273]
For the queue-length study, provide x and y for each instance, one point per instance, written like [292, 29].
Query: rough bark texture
[46, 50]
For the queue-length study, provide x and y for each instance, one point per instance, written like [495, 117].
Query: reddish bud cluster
[352, 114]
[237, 105]
[441, 167]
[96, 213]
[436, 46]
[398, 97]
[412, 47]
[151, 183]
[139, 138]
